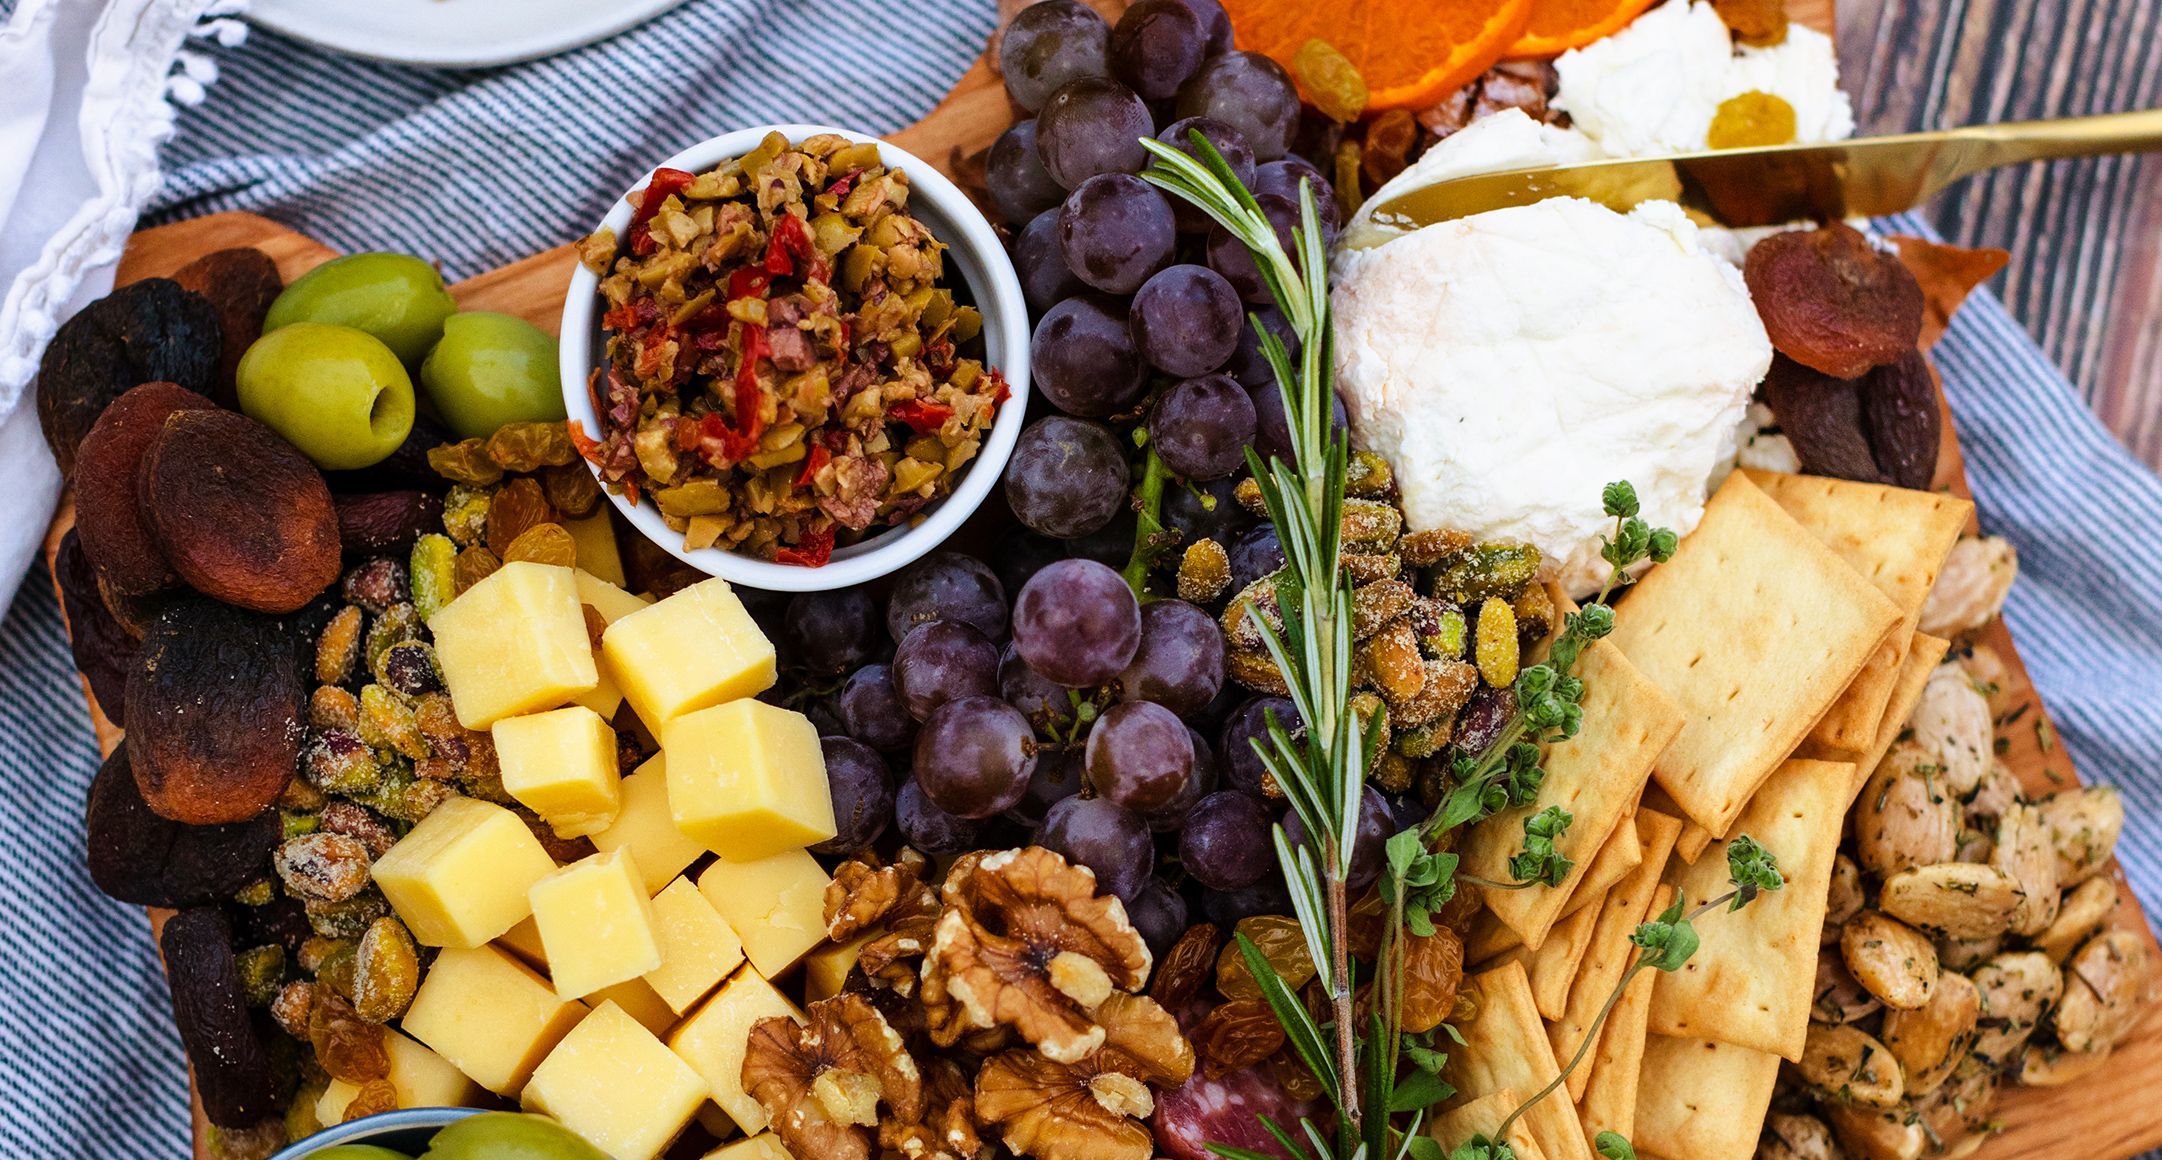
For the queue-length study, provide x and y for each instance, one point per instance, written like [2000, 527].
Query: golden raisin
[349, 1047]
[375, 1096]
[531, 446]
[572, 489]
[1297, 1080]
[465, 463]
[1349, 195]
[1185, 967]
[1329, 80]
[543, 544]
[518, 505]
[1389, 138]
[474, 565]
[1495, 650]
[1750, 120]
[1237, 1034]
[386, 970]
[1433, 969]
[1281, 942]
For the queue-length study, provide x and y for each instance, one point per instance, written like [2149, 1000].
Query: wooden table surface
[2085, 236]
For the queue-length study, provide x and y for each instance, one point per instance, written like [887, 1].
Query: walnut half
[822, 1082]
[1089, 1109]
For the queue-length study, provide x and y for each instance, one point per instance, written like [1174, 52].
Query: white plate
[453, 33]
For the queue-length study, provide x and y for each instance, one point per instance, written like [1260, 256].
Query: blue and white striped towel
[478, 168]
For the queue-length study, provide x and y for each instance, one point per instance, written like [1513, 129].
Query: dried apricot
[1833, 302]
[107, 516]
[1822, 417]
[543, 544]
[240, 284]
[233, 1074]
[1902, 420]
[214, 708]
[138, 856]
[238, 512]
[151, 331]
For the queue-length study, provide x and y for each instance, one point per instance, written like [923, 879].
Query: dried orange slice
[1556, 26]
[1412, 53]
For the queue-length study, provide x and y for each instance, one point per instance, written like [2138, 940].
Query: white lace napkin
[86, 101]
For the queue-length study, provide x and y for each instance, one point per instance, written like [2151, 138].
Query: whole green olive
[509, 1136]
[334, 392]
[357, 1152]
[395, 297]
[492, 369]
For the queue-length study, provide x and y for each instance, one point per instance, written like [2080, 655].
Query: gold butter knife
[1780, 183]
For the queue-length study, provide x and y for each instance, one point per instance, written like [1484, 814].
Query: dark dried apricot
[138, 857]
[1822, 417]
[1899, 411]
[233, 1074]
[102, 646]
[106, 512]
[386, 521]
[239, 513]
[1831, 301]
[150, 331]
[240, 285]
[214, 710]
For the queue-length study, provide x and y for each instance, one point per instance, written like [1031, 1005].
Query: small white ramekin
[981, 262]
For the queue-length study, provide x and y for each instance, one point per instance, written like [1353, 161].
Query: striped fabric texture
[478, 168]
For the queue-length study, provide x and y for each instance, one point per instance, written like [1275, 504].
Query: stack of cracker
[1750, 686]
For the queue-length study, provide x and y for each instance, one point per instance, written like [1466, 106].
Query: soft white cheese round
[1494, 143]
[1511, 364]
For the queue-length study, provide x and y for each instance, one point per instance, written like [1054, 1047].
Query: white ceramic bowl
[980, 260]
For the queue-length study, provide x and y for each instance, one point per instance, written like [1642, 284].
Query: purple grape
[1067, 477]
[1020, 555]
[929, 828]
[862, 789]
[824, 713]
[1045, 703]
[1248, 365]
[1376, 824]
[1254, 555]
[1156, 45]
[830, 633]
[1202, 426]
[1180, 664]
[1249, 92]
[1048, 44]
[1211, 717]
[1077, 623]
[1170, 816]
[1015, 178]
[1405, 811]
[1215, 24]
[1480, 723]
[1092, 126]
[1139, 755]
[1269, 896]
[1116, 231]
[974, 756]
[1184, 511]
[1185, 319]
[947, 586]
[1104, 836]
[1282, 178]
[1113, 546]
[943, 661]
[1082, 357]
[1158, 914]
[872, 710]
[1226, 844]
[1058, 775]
[1229, 256]
[1248, 723]
[1272, 432]
[1045, 277]
[1229, 143]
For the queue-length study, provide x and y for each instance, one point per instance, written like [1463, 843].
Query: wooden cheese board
[2105, 1116]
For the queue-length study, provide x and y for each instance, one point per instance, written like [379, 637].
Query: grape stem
[1149, 535]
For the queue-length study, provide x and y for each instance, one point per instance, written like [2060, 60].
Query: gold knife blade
[1780, 183]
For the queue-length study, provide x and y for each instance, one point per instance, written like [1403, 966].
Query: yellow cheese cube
[330, 1106]
[606, 596]
[747, 779]
[696, 648]
[763, 1146]
[460, 877]
[596, 923]
[594, 537]
[825, 969]
[514, 643]
[640, 1002]
[646, 827]
[698, 949]
[423, 1078]
[777, 906]
[612, 1082]
[604, 698]
[561, 765]
[714, 1040]
[490, 1015]
[524, 941]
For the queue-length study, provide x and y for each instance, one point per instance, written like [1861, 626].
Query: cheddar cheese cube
[423, 1078]
[777, 906]
[330, 1106]
[490, 1015]
[747, 780]
[713, 1041]
[825, 969]
[514, 643]
[596, 924]
[698, 948]
[695, 649]
[647, 828]
[763, 1146]
[606, 596]
[524, 941]
[594, 537]
[604, 698]
[615, 1084]
[640, 1002]
[561, 765]
[460, 877]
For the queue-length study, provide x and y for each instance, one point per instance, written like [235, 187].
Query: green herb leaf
[1668, 940]
[1418, 1090]
[1423, 1148]
[1539, 861]
[1752, 868]
[1619, 498]
[1614, 1146]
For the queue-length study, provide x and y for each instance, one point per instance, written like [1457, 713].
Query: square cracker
[1701, 1100]
[1554, 964]
[1923, 655]
[1609, 1102]
[1505, 1047]
[1597, 776]
[1751, 982]
[1754, 628]
[1618, 855]
[1481, 1117]
[1898, 540]
[1693, 837]
[1611, 952]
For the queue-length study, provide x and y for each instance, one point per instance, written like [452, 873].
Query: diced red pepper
[665, 182]
[818, 458]
[1003, 393]
[688, 433]
[748, 283]
[921, 414]
[812, 551]
[844, 183]
[790, 242]
[576, 429]
[630, 491]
